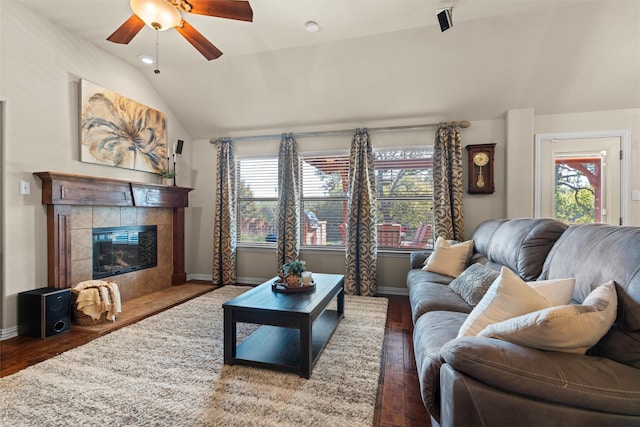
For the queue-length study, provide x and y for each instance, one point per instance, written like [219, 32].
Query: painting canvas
[118, 131]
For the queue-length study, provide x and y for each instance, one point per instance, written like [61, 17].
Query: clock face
[481, 159]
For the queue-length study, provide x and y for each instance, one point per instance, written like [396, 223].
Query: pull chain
[157, 70]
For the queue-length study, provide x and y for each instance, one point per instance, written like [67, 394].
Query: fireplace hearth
[119, 250]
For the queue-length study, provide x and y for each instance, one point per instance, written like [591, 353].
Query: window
[257, 193]
[324, 200]
[578, 195]
[404, 190]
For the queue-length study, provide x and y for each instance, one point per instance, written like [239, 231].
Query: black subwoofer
[44, 312]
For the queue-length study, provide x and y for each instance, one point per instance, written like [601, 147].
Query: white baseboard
[239, 280]
[8, 333]
[206, 277]
[392, 291]
[252, 280]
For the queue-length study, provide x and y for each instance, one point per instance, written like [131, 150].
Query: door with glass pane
[580, 180]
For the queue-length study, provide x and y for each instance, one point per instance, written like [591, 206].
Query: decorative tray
[279, 286]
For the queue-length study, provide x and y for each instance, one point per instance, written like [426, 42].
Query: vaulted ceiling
[379, 60]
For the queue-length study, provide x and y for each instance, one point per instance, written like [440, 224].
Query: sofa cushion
[449, 258]
[430, 333]
[418, 276]
[507, 297]
[473, 283]
[568, 328]
[576, 380]
[594, 254]
[520, 244]
[483, 234]
[428, 296]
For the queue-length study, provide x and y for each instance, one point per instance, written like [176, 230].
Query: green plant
[295, 267]
[167, 173]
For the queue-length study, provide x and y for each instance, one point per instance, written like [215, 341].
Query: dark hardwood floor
[398, 402]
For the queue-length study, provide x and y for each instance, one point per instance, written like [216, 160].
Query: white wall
[39, 72]
[519, 163]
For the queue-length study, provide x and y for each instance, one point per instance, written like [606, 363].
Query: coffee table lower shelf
[278, 347]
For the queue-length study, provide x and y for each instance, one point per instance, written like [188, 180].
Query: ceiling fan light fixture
[158, 14]
[147, 59]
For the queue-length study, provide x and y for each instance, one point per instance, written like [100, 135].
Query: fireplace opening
[119, 250]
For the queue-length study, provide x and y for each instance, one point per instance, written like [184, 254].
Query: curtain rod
[461, 124]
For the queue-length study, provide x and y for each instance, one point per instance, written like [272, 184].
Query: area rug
[167, 370]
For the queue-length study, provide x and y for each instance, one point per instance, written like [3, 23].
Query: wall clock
[481, 168]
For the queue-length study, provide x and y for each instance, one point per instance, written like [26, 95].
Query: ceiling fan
[164, 14]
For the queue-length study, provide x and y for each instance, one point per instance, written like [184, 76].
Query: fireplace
[119, 250]
[62, 192]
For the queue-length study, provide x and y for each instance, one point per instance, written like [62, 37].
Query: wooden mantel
[60, 191]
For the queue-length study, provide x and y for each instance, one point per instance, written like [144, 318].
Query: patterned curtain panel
[362, 248]
[447, 183]
[224, 229]
[289, 200]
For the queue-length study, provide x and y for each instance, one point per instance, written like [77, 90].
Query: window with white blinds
[404, 190]
[324, 200]
[257, 192]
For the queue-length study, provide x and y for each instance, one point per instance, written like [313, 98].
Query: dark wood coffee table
[296, 327]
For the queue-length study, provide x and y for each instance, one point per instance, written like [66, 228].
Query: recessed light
[312, 26]
[147, 59]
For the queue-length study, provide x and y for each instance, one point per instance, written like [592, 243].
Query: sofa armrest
[578, 380]
[418, 258]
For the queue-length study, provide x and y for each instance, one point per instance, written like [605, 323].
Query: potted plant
[291, 273]
[167, 176]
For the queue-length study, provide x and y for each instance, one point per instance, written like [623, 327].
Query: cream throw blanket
[98, 296]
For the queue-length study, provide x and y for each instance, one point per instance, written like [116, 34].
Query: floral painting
[117, 131]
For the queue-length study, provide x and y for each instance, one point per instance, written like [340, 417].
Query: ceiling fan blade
[127, 31]
[204, 46]
[231, 9]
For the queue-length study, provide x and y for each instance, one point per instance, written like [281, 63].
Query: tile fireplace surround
[76, 204]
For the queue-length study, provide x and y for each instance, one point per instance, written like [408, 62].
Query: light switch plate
[25, 187]
[635, 195]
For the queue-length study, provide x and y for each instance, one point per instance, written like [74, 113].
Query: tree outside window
[578, 190]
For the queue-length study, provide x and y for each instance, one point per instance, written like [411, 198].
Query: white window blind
[404, 190]
[257, 192]
[324, 200]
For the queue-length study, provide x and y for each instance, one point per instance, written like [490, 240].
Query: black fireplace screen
[119, 250]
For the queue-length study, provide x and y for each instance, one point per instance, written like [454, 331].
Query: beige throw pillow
[507, 297]
[566, 328]
[556, 291]
[449, 259]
